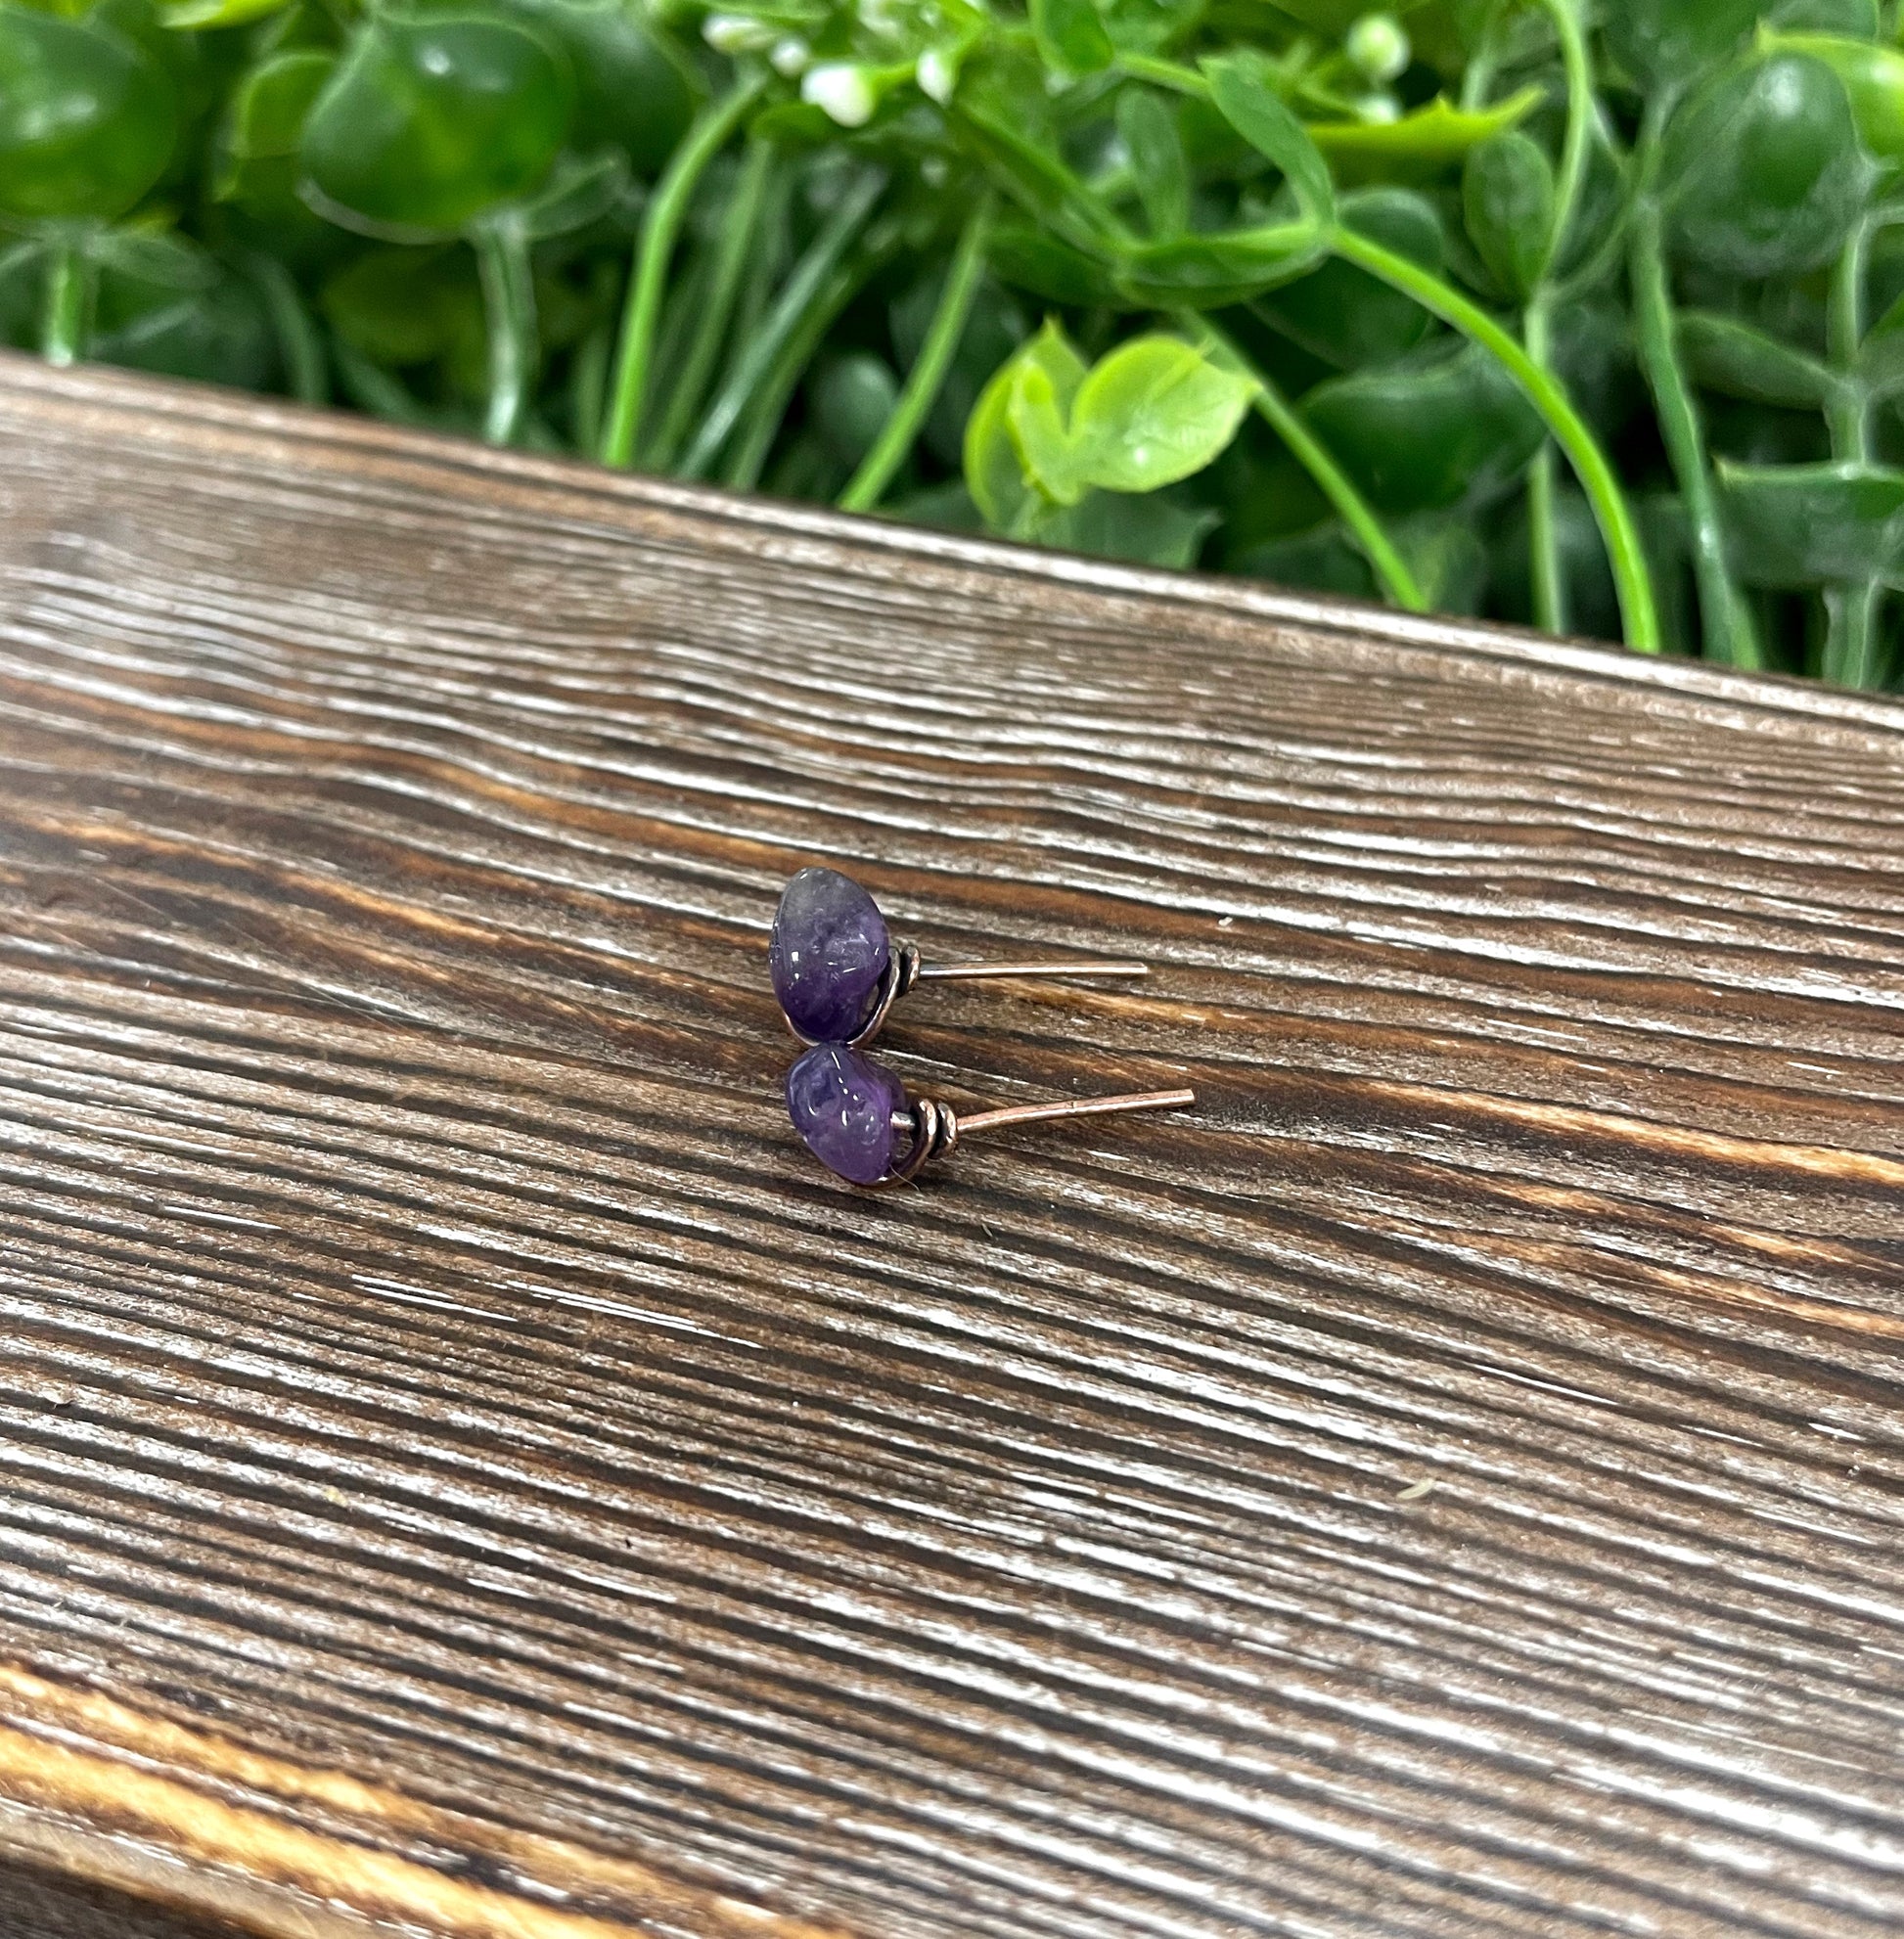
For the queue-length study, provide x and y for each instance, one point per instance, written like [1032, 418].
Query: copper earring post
[937, 1129]
[905, 971]
[1136, 1101]
[972, 972]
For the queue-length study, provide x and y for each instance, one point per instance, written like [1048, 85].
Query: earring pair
[837, 974]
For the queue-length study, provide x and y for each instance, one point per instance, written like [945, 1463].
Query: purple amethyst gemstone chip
[844, 1105]
[828, 955]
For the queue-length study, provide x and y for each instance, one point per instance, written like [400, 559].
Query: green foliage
[1358, 297]
[430, 124]
[87, 119]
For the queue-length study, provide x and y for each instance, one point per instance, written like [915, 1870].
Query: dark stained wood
[41, 1903]
[464, 1471]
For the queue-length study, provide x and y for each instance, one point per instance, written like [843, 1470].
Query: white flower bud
[790, 55]
[844, 90]
[734, 33]
[1378, 110]
[937, 76]
[1378, 45]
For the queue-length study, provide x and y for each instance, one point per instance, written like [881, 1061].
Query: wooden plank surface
[464, 1471]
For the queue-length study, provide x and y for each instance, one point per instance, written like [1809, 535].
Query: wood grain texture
[464, 1473]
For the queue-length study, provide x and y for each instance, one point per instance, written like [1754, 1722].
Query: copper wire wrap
[934, 1134]
[901, 973]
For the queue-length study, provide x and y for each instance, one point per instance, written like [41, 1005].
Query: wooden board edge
[138, 403]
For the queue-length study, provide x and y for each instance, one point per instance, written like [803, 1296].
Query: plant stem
[299, 344]
[1844, 321]
[509, 306]
[1853, 636]
[1727, 621]
[63, 328]
[1624, 551]
[750, 455]
[591, 384]
[1580, 115]
[660, 227]
[897, 436]
[1543, 540]
[803, 289]
[738, 226]
[1391, 569]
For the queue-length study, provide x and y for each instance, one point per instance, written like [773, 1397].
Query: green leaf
[849, 399]
[435, 120]
[199, 13]
[1154, 411]
[1148, 26]
[1420, 146]
[1150, 132]
[1072, 36]
[1802, 526]
[87, 119]
[1663, 42]
[402, 306]
[1762, 170]
[581, 190]
[1873, 77]
[1028, 258]
[1447, 429]
[1037, 178]
[993, 474]
[1150, 530]
[1738, 361]
[1242, 85]
[1341, 313]
[1211, 272]
[1881, 361]
[632, 90]
[997, 472]
[1041, 435]
[1506, 194]
[269, 106]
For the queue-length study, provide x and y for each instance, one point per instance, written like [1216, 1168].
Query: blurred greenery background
[1588, 316]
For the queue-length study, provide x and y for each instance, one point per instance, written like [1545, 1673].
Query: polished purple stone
[828, 955]
[844, 1105]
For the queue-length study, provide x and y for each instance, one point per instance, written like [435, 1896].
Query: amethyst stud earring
[836, 972]
[858, 1122]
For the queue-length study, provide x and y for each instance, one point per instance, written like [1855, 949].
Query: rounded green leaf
[632, 92]
[1763, 171]
[87, 119]
[997, 472]
[992, 472]
[433, 120]
[1154, 411]
[1507, 199]
[850, 399]
[1874, 82]
[1072, 36]
[1665, 41]
[1341, 313]
[1449, 427]
[1151, 530]
[1798, 526]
